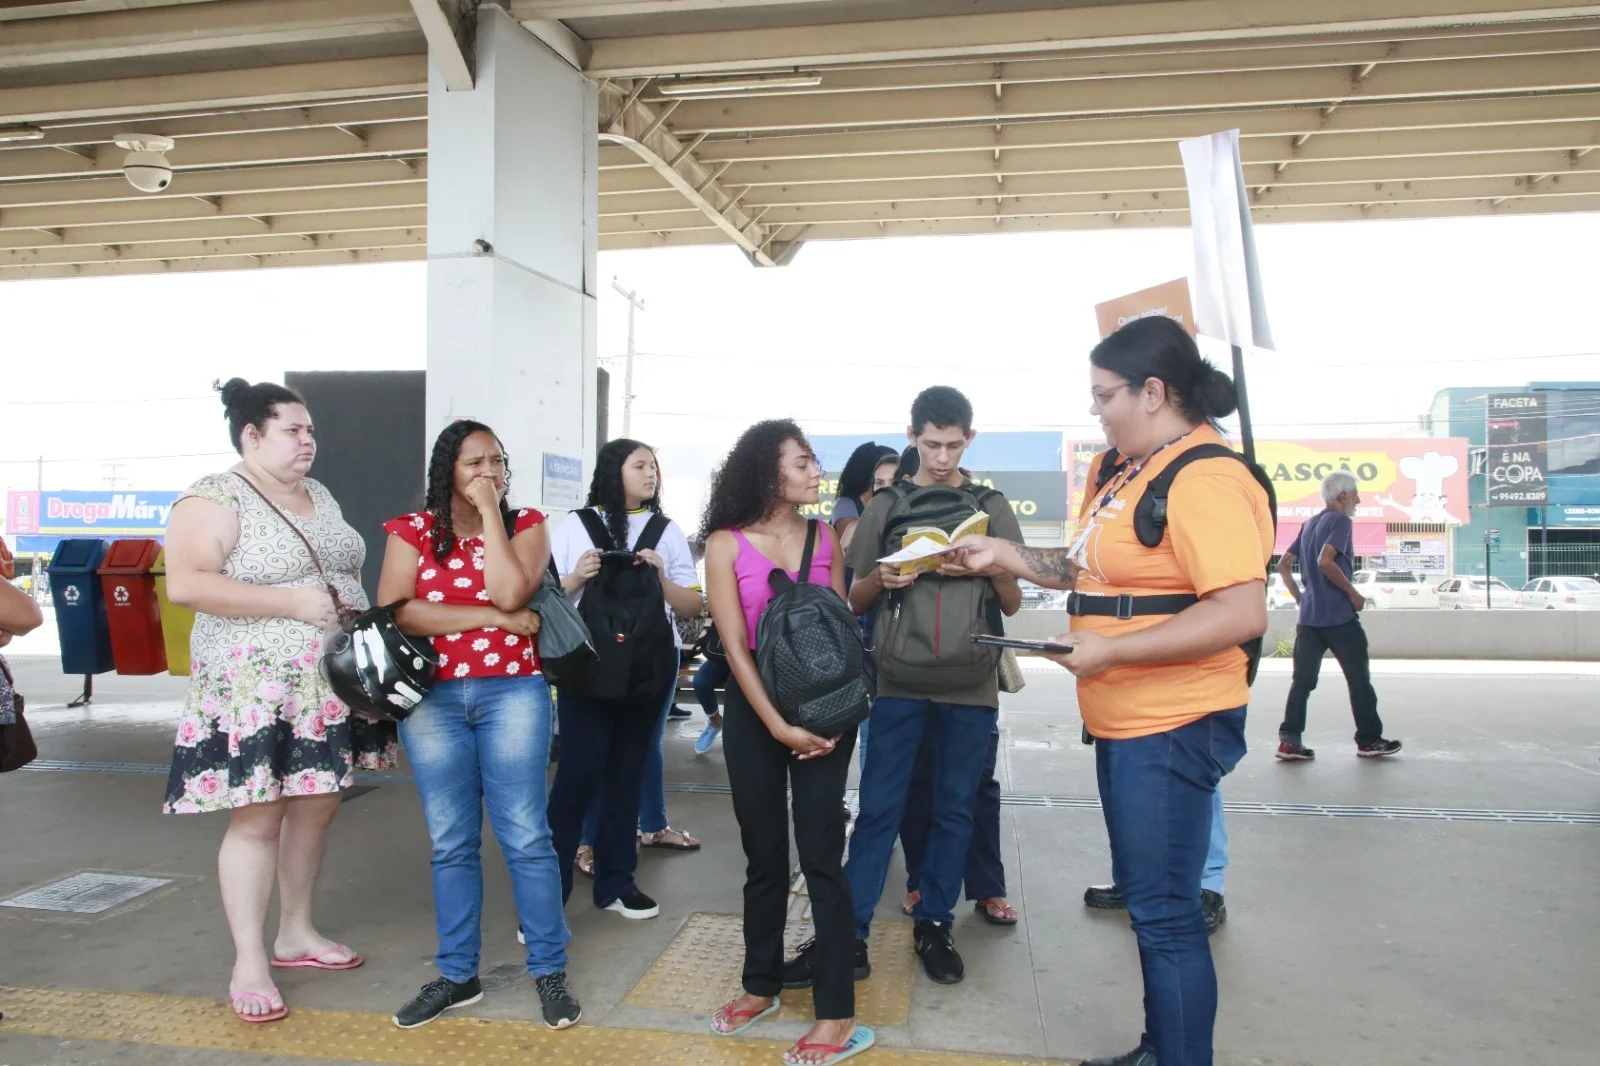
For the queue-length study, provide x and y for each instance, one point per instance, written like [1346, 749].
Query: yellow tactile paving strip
[700, 969]
[346, 1036]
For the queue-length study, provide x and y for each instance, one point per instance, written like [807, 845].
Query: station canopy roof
[301, 125]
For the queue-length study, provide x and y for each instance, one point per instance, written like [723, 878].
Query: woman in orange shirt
[1156, 635]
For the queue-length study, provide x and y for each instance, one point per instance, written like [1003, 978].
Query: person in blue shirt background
[1330, 620]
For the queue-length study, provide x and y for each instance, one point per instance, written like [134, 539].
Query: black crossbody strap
[810, 549]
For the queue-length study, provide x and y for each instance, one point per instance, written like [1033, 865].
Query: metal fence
[1516, 564]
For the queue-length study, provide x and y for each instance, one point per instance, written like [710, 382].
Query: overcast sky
[1371, 319]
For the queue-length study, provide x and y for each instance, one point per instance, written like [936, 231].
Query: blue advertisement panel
[1018, 450]
[38, 521]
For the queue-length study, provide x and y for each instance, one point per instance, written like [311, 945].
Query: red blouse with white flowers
[489, 652]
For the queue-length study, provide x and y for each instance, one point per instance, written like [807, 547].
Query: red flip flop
[860, 1040]
[751, 1017]
[318, 961]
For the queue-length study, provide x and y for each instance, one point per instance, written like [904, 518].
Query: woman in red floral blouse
[466, 567]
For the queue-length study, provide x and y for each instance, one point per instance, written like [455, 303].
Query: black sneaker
[938, 950]
[1214, 909]
[797, 971]
[678, 713]
[1289, 751]
[1140, 1056]
[435, 998]
[1378, 749]
[560, 1005]
[1104, 898]
[635, 905]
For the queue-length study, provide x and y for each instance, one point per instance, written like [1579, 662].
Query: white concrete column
[513, 223]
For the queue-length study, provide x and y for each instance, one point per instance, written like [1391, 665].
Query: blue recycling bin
[81, 606]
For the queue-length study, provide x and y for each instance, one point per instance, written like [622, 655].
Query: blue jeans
[1217, 852]
[962, 735]
[477, 741]
[652, 787]
[1157, 793]
[985, 870]
[712, 675]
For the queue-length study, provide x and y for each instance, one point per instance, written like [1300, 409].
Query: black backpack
[809, 651]
[920, 639]
[1150, 514]
[626, 613]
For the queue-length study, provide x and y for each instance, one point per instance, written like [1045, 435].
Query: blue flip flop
[860, 1040]
[750, 1016]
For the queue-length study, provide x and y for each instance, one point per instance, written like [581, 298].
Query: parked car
[1465, 593]
[1395, 590]
[1278, 597]
[1560, 594]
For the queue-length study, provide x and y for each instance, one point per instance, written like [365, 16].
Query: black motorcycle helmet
[373, 667]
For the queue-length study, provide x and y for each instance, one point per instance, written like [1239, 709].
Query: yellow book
[922, 548]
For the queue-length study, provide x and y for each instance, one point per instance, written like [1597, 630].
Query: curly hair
[855, 480]
[746, 488]
[442, 484]
[605, 488]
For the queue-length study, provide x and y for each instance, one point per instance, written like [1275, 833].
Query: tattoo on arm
[1050, 563]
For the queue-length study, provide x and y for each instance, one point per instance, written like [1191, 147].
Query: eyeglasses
[1102, 397]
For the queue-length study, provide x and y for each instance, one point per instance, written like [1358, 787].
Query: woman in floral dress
[262, 735]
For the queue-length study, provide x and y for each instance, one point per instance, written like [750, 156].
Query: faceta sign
[1518, 461]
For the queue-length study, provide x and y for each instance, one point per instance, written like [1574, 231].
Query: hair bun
[1216, 391]
[235, 393]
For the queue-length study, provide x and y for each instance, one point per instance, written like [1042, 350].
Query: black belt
[1128, 605]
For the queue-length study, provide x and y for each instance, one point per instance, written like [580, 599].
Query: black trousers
[1348, 643]
[603, 748]
[762, 771]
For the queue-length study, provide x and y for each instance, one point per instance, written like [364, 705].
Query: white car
[1466, 593]
[1560, 594]
[1395, 590]
[1278, 596]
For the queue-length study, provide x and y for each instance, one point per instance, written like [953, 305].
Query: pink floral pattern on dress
[260, 722]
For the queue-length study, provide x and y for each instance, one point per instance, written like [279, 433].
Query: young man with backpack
[931, 677]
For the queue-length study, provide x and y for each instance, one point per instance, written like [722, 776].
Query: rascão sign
[1422, 479]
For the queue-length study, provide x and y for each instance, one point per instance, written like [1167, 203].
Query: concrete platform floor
[1439, 907]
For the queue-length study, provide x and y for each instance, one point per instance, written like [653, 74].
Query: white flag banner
[1228, 302]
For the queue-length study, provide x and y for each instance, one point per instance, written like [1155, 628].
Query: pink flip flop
[318, 961]
[276, 1015]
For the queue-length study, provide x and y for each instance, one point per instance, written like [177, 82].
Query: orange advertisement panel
[1402, 479]
[1169, 298]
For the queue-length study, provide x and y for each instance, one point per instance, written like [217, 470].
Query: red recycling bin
[132, 606]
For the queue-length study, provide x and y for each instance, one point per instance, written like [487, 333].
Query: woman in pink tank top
[754, 526]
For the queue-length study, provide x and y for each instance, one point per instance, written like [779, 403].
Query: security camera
[146, 166]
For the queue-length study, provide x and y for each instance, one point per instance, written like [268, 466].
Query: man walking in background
[1330, 620]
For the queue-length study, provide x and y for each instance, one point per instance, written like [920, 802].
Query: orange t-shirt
[1219, 534]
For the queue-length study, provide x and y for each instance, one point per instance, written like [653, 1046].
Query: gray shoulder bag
[565, 649]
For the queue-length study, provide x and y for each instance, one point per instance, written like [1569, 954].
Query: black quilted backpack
[809, 651]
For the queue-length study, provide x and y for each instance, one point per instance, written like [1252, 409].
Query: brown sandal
[585, 860]
[910, 904]
[670, 839]
[987, 908]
